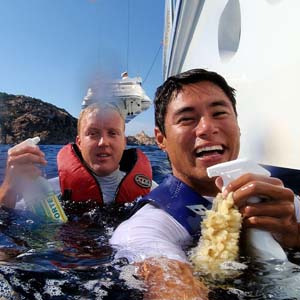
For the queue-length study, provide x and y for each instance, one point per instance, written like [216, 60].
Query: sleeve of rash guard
[151, 232]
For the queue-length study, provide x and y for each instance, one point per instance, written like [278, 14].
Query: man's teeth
[103, 155]
[209, 148]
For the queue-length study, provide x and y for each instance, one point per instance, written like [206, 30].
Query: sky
[53, 49]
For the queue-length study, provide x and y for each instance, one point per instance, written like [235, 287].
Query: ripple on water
[6, 290]
[75, 262]
[67, 261]
[128, 274]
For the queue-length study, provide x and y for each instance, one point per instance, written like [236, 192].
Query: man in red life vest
[96, 169]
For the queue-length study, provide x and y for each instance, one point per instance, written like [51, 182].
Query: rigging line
[154, 60]
[128, 34]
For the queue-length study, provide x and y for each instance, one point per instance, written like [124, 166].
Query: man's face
[201, 130]
[101, 141]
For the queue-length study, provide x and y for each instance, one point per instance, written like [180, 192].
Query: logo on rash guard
[198, 209]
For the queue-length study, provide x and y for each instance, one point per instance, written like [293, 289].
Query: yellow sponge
[218, 249]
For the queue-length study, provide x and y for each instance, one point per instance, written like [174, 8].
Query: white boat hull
[254, 45]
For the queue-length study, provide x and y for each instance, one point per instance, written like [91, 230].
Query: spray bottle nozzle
[35, 140]
[32, 141]
[260, 243]
[28, 142]
[231, 170]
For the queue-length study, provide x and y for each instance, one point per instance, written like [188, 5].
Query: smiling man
[94, 171]
[97, 167]
[196, 124]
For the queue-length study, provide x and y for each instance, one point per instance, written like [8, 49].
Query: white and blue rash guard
[161, 229]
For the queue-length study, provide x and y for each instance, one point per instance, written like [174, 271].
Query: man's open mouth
[209, 150]
[102, 155]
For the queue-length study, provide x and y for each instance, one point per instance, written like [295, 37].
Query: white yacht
[127, 93]
[255, 46]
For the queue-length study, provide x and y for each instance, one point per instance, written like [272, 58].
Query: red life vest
[80, 184]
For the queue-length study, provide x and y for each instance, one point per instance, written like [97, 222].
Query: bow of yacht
[127, 93]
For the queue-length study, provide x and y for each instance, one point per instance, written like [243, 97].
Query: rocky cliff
[141, 139]
[22, 117]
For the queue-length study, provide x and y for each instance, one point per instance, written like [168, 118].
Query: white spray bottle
[260, 243]
[39, 196]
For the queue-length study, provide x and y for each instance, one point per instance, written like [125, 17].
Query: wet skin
[101, 141]
[201, 131]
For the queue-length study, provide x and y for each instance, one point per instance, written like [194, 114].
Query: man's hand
[21, 163]
[168, 279]
[276, 213]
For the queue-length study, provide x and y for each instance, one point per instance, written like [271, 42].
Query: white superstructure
[255, 45]
[127, 93]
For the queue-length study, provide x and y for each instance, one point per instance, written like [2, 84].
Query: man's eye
[220, 113]
[113, 133]
[186, 120]
[93, 134]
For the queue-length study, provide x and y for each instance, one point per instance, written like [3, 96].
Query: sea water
[41, 260]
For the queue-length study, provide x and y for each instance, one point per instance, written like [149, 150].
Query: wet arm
[150, 233]
[170, 280]
[7, 195]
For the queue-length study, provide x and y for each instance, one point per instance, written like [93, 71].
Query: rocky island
[22, 117]
[141, 139]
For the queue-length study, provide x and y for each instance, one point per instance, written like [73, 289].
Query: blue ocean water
[73, 261]
[158, 159]
[41, 260]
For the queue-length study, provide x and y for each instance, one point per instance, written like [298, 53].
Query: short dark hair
[174, 84]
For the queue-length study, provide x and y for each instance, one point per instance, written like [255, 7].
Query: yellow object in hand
[218, 246]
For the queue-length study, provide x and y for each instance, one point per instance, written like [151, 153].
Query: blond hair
[95, 107]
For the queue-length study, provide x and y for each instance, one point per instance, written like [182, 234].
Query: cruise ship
[255, 46]
[127, 93]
